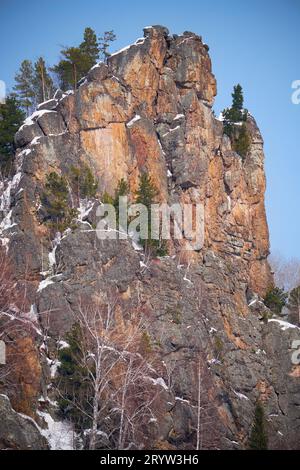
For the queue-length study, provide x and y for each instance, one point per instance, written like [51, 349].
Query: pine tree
[276, 299]
[24, 86]
[42, 82]
[146, 192]
[146, 195]
[90, 48]
[294, 305]
[104, 44]
[11, 118]
[72, 67]
[258, 437]
[74, 382]
[234, 123]
[237, 97]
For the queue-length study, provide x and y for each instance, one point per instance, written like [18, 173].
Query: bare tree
[116, 374]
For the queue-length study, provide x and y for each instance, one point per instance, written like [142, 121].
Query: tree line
[35, 82]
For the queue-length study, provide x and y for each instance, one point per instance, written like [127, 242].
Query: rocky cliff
[150, 109]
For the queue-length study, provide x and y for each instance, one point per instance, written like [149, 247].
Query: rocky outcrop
[150, 109]
[17, 431]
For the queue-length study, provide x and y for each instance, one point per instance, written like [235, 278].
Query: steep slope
[150, 109]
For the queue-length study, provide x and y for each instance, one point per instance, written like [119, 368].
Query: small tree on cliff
[24, 86]
[258, 437]
[294, 305]
[104, 44]
[104, 381]
[276, 299]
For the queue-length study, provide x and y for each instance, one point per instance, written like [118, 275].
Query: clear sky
[255, 43]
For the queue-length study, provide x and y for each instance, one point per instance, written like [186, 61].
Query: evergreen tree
[42, 82]
[146, 192]
[294, 306]
[72, 67]
[11, 118]
[74, 382]
[104, 44]
[258, 437]
[146, 195]
[276, 299]
[90, 48]
[24, 86]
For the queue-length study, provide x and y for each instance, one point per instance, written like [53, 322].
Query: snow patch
[136, 118]
[284, 324]
[241, 396]
[60, 434]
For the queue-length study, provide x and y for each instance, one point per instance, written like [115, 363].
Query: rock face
[150, 109]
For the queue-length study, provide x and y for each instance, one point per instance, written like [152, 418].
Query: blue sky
[254, 43]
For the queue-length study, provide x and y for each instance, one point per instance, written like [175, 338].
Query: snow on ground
[60, 434]
[284, 324]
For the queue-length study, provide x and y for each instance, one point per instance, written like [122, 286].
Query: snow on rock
[160, 382]
[5, 200]
[135, 119]
[59, 434]
[45, 283]
[241, 396]
[85, 207]
[35, 141]
[284, 324]
[34, 116]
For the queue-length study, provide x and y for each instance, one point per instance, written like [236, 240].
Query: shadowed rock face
[149, 109]
[18, 432]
